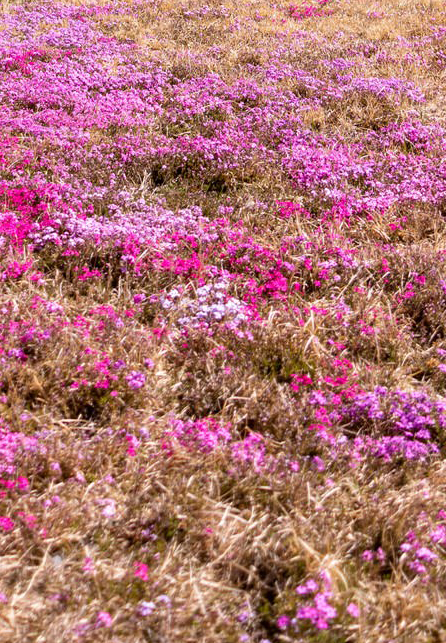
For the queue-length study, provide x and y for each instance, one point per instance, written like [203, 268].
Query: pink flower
[22, 483]
[55, 467]
[283, 621]
[109, 509]
[133, 443]
[141, 571]
[88, 567]
[307, 588]
[353, 610]
[6, 523]
[29, 519]
[103, 619]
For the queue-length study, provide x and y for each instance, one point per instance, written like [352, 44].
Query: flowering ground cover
[222, 321]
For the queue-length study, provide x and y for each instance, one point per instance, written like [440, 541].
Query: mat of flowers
[222, 321]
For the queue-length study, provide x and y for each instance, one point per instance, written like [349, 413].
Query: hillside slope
[222, 322]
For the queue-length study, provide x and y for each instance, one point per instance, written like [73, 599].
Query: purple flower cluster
[135, 379]
[391, 423]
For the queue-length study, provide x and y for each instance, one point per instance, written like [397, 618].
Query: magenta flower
[6, 523]
[88, 566]
[141, 571]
